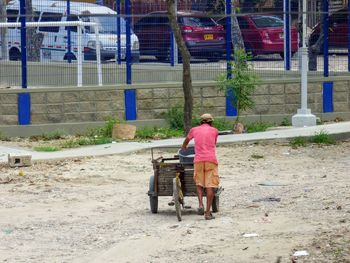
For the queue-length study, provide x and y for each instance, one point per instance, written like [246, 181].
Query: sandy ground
[97, 209]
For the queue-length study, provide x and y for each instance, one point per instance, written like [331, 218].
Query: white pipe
[47, 24]
[98, 57]
[80, 59]
[304, 64]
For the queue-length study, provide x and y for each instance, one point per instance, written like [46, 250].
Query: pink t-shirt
[205, 138]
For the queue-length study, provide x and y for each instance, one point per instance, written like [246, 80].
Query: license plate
[281, 35]
[208, 37]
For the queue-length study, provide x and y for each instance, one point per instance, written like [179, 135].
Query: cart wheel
[153, 200]
[177, 200]
[215, 205]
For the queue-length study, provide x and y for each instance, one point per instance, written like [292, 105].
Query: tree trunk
[315, 48]
[3, 31]
[186, 66]
[34, 39]
[237, 39]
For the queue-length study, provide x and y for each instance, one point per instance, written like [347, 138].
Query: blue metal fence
[134, 43]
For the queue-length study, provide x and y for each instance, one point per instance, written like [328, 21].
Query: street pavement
[340, 130]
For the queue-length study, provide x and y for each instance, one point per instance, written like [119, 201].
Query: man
[205, 162]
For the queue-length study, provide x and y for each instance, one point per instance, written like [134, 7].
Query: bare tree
[34, 39]
[3, 31]
[186, 66]
[236, 34]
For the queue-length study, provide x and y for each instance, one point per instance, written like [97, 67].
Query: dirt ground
[97, 209]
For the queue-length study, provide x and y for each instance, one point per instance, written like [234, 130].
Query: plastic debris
[251, 235]
[300, 253]
[267, 199]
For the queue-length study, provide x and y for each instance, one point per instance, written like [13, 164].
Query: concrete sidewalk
[337, 130]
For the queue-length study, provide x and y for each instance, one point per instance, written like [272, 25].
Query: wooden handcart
[173, 176]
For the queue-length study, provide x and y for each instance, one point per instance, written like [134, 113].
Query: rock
[238, 128]
[124, 131]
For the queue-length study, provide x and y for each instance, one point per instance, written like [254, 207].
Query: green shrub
[257, 127]
[286, 122]
[175, 118]
[298, 142]
[322, 138]
[46, 148]
[157, 133]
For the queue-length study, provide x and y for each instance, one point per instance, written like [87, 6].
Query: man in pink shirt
[205, 163]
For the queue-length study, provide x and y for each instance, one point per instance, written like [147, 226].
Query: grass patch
[258, 127]
[55, 135]
[47, 148]
[298, 142]
[322, 138]
[286, 122]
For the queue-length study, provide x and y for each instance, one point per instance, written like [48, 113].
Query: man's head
[207, 118]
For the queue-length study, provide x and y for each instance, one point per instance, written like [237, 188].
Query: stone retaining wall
[273, 99]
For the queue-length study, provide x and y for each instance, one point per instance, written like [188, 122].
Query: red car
[204, 38]
[264, 34]
[338, 30]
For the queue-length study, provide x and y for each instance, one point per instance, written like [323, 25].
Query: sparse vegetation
[322, 138]
[298, 142]
[286, 122]
[46, 148]
[257, 127]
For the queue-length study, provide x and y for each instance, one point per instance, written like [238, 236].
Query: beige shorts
[206, 174]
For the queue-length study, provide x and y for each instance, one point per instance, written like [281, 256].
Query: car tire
[14, 54]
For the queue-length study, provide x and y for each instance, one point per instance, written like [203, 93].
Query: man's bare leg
[200, 196]
[210, 197]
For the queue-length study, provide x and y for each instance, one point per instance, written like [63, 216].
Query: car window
[243, 23]
[267, 21]
[339, 18]
[106, 24]
[198, 21]
[50, 17]
[12, 15]
[72, 18]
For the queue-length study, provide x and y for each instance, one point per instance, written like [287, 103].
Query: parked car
[337, 33]
[264, 34]
[204, 38]
[54, 44]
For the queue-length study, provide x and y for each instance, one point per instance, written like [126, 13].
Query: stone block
[145, 115]
[262, 89]
[19, 160]
[314, 87]
[276, 109]
[8, 119]
[261, 99]
[38, 98]
[291, 88]
[117, 105]
[339, 86]
[210, 92]
[9, 109]
[71, 107]
[340, 97]
[87, 95]
[292, 99]
[261, 109]
[144, 94]
[54, 108]
[88, 116]
[124, 131]
[145, 104]
[161, 93]
[277, 99]
[103, 95]
[70, 97]
[197, 92]
[54, 97]
[39, 118]
[292, 108]
[160, 103]
[8, 99]
[72, 117]
[87, 107]
[175, 102]
[103, 106]
[175, 93]
[341, 107]
[276, 89]
[55, 118]
[104, 115]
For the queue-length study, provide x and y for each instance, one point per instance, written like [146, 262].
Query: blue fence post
[287, 40]
[348, 36]
[23, 99]
[130, 105]
[327, 86]
[69, 40]
[328, 97]
[230, 108]
[118, 32]
[128, 41]
[325, 19]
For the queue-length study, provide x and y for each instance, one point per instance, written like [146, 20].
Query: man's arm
[185, 143]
